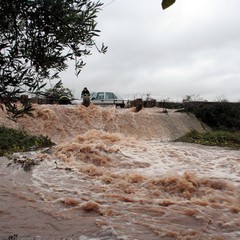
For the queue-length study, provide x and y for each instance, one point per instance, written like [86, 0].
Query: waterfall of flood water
[116, 174]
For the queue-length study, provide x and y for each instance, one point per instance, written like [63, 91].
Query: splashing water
[115, 174]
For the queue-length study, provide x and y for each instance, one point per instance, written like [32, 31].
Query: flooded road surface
[23, 212]
[115, 174]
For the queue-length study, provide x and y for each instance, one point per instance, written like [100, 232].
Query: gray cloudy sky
[192, 48]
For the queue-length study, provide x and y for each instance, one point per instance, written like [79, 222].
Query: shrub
[12, 140]
[219, 116]
[213, 138]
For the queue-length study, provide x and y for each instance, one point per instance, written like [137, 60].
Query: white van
[104, 99]
[107, 98]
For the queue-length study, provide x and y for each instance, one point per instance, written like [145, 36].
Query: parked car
[104, 99]
[107, 98]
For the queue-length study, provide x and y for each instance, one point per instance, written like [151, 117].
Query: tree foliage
[219, 116]
[37, 38]
[58, 91]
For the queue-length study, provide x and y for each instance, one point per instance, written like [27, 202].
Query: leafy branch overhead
[167, 3]
[37, 40]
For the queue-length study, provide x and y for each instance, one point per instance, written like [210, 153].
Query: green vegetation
[213, 138]
[12, 140]
[219, 116]
[58, 94]
[58, 90]
[224, 120]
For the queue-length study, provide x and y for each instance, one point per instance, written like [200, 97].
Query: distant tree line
[218, 115]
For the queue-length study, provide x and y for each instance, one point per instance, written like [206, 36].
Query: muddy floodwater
[117, 174]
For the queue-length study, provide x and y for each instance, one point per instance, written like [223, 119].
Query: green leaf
[167, 3]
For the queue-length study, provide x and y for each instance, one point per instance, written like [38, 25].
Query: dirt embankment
[61, 123]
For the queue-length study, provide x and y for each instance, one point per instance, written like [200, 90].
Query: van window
[100, 95]
[110, 95]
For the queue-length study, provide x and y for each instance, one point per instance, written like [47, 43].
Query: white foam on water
[122, 168]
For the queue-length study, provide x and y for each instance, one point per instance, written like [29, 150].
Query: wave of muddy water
[116, 174]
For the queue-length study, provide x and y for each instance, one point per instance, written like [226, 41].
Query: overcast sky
[191, 48]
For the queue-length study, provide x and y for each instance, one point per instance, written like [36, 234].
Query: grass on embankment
[12, 140]
[224, 120]
[213, 138]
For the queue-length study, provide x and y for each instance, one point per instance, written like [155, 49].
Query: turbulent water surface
[116, 174]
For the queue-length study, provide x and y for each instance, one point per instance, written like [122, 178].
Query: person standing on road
[85, 93]
[86, 97]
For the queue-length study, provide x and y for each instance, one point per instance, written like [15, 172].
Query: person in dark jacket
[85, 93]
[86, 97]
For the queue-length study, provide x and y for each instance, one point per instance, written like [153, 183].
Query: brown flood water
[116, 174]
